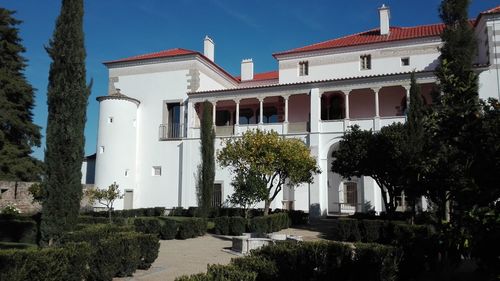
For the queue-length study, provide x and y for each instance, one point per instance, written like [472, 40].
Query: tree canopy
[276, 160]
[67, 96]
[18, 133]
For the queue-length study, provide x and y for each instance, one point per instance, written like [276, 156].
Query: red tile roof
[492, 11]
[270, 75]
[373, 36]
[162, 54]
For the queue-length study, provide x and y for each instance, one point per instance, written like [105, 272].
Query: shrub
[159, 211]
[330, 261]
[13, 245]
[237, 225]
[221, 273]
[18, 230]
[298, 217]
[270, 223]
[258, 225]
[266, 270]
[129, 252]
[187, 229]
[57, 263]
[149, 248]
[345, 230]
[221, 225]
[178, 212]
[371, 230]
[148, 225]
[168, 229]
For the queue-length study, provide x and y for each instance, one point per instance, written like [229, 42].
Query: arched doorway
[345, 196]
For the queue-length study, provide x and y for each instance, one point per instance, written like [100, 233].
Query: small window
[350, 193]
[156, 170]
[101, 149]
[303, 68]
[217, 196]
[110, 120]
[405, 61]
[365, 62]
[127, 172]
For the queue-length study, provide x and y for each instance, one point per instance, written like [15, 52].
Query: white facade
[148, 138]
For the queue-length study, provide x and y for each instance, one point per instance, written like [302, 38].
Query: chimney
[246, 70]
[385, 15]
[209, 48]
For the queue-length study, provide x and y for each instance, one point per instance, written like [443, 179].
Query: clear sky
[240, 28]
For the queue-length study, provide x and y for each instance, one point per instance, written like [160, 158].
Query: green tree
[105, 197]
[415, 145]
[382, 155]
[276, 160]
[18, 133]
[206, 170]
[67, 96]
[249, 189]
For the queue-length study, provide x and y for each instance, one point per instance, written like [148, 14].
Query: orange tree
[276, 160]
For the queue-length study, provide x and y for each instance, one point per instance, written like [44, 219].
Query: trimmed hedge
[221, 273]
[98, 220]
[325, 261]
[130, 213]
[13, 245]
[230, 225]
[58, 263]
[116, 250]
[168, 229]
[18, 230]
[221, 225]
[148, 225]
[270, 223]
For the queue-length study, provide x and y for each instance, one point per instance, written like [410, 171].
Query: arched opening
[332, 106]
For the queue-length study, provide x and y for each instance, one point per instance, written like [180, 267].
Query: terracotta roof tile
[492, 11]
[270, 75]
[373, 36]
[162, 54]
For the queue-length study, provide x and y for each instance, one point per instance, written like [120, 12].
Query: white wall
[342, 63]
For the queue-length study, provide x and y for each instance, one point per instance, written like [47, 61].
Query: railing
[298, 127]
[170, 131]
[224, 130]
[346, 208]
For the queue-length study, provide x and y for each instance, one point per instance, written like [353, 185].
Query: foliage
[220, 273]
[168, 229]
[249, 189]
[18, 230]
[67, 96]
[268, 224]
[130, 213]
[382, 155]
[105, 197]
[206, 173]
[324, 260]
[147, 225]
[149, 248]
[51, 264]
[36, 192]
[18, 133]
[230, 225]
[10, 209]
[276, 160]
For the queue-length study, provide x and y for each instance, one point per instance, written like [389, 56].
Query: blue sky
[240, 28]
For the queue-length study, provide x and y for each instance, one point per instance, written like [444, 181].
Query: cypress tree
[456, 110]
[67, 96]
[18, 133]
[207, 167]
[415, 143]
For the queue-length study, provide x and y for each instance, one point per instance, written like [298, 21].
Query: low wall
[12, 192]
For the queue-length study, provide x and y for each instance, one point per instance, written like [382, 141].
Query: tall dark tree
[415, 144]
[206, 174]
[456, 110]
[67, 102]
[18, 133]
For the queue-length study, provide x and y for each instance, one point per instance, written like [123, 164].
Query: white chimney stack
[209, 48]
[385, 15]
[246, 70]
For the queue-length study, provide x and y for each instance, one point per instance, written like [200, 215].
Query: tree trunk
[267, 203]
[109, 215]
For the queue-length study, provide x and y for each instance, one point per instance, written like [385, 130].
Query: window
[303, 68]
[172, 121]
[217, 196]
[110, 119]
[365, 62]
[405, 61]
[127, 172]
[101, 149]
[350, 193]
[156, 170]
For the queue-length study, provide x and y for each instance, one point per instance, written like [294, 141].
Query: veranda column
[237, 121]
[182, 120]
[347, 122]
[407, 88]
[285, 122]
[376, 124]
[214, 111]
[261, 110]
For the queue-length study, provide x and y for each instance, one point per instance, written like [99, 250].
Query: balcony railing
[171, 131]
[298, 127]
[224, 130]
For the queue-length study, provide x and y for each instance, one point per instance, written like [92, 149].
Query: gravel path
[182, 257]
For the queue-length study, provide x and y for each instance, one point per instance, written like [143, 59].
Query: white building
[148, 138]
